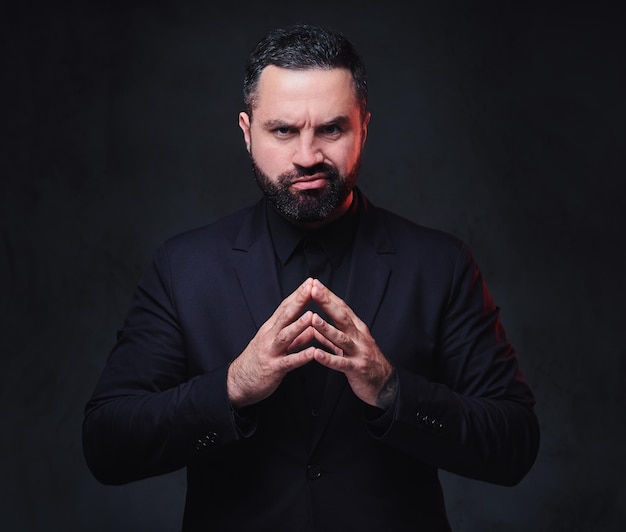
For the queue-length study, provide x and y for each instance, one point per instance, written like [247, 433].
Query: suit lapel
[256, 267]
[369, 272]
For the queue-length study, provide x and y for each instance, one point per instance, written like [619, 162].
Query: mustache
[322, 168]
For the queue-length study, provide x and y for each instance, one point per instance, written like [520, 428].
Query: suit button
[313, 471]
[314, 412]
[426, 422]
[206, 441]
[421, 419]
[436, 425]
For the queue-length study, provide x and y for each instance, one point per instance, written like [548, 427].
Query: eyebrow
[273, 124]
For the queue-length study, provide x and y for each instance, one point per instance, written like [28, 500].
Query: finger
[332, 348]
[293, 334]
[304, 338]
[337, 340]
[295, 360]
[335, 307]
[337, 363]
[292, 306]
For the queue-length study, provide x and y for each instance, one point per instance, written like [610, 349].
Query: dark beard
[306, 206]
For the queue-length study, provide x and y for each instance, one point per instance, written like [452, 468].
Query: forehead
[305, 94]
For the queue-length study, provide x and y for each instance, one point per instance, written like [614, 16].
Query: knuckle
[285, 364]
[281, 339]
[344, 315]
[345, 340]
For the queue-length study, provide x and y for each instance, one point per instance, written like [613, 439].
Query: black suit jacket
[161, 403]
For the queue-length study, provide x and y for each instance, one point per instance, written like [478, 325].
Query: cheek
[344, 157]
[272, 159]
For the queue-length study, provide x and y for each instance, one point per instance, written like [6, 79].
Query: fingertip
[320, 356]
[316, 287]
[309, 354]
[305, 287]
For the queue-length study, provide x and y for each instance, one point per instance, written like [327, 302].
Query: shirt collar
[334, 237]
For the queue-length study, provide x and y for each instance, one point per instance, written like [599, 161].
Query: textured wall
[502, 122]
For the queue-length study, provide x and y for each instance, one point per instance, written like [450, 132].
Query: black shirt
[336, 238]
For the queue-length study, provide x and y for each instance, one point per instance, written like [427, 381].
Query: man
[297, 404]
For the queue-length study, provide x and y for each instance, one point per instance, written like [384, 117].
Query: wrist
[387, 394]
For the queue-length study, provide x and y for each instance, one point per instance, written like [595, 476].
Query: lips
[309, 182]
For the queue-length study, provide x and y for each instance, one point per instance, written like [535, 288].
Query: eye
[282, 131]
[331, 129]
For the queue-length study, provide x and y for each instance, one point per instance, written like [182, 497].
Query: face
[305, 140]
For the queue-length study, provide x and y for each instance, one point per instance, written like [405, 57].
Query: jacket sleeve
[147, 416]
[475, 417]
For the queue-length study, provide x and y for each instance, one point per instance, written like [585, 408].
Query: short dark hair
[301, 47]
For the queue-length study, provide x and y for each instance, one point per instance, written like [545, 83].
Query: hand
[256, 373]
[356, 353]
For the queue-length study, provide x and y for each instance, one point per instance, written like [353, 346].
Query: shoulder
[221, 232]
[209, 245]
[416, 251]
[404, 236]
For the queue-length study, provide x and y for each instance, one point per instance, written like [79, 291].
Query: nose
[307, 153]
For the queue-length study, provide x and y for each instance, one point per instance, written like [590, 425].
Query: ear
[244, 124]
[366, 122]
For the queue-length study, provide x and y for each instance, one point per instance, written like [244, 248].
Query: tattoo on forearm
[387, 394]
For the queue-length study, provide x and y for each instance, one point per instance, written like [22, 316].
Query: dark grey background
[502, 122]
